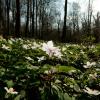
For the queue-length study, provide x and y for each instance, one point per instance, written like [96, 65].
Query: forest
[49, 50]
[42, 19]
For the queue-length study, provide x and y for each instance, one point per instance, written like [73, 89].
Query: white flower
[12, 39]
[5, 47]
[65, 85]
[50, 49]
[10, 90]
[10, 42]
[25, 46]
[58, 53]
[97, 69]
[63, 49]
[41, 58]
[92, 92]
[92, 46]
[71, 53]
[29, 58]
[82, 52]
[46, 72]
[20, 39]
[57, 81]
[93, 76]
[93, 63]
[71, 71]
[35, 45]
[89, 65]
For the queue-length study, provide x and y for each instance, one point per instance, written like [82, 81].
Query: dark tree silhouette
[33, 18]
[27, 18]
[8, 10]
[64, 26]
[17, 26]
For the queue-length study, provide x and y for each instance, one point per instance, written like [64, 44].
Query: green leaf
[22, 93]
[76, 88]
[65, 68]
[67, 97]
[17, 97]
[10, 83]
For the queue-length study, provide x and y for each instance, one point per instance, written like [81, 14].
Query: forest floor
[45, 70]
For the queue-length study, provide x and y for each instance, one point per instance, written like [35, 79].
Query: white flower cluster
[25, 46]
[29, 58]
[91, 92]
[89, 64]
[5, 47]
[41, 58]
[33, 46]
[93, 76]
[51, 50]
[10, 90]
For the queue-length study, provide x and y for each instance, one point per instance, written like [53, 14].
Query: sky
[96, 5]
[83, 5]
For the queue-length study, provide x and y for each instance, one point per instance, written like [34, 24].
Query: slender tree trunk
[58, 28]
[13, 16]
[64, 26]
[89, 17]
[17, 26]
[36, 18]
[8, 8]
[1, 16]
[42, 19]
[30, 27]
[27, 20]
[33, 19]
[40, 22]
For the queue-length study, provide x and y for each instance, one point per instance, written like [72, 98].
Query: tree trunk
[1, 17]
[17, 26]
[33, 19]
[30, 27]
[63, 38]
[36, 18]
[89, 17]
[8, 8]
[27, 19]
[13, 18]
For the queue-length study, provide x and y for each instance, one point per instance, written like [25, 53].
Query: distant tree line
[41, 19]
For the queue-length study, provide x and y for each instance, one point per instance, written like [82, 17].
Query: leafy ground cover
[38, 70]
